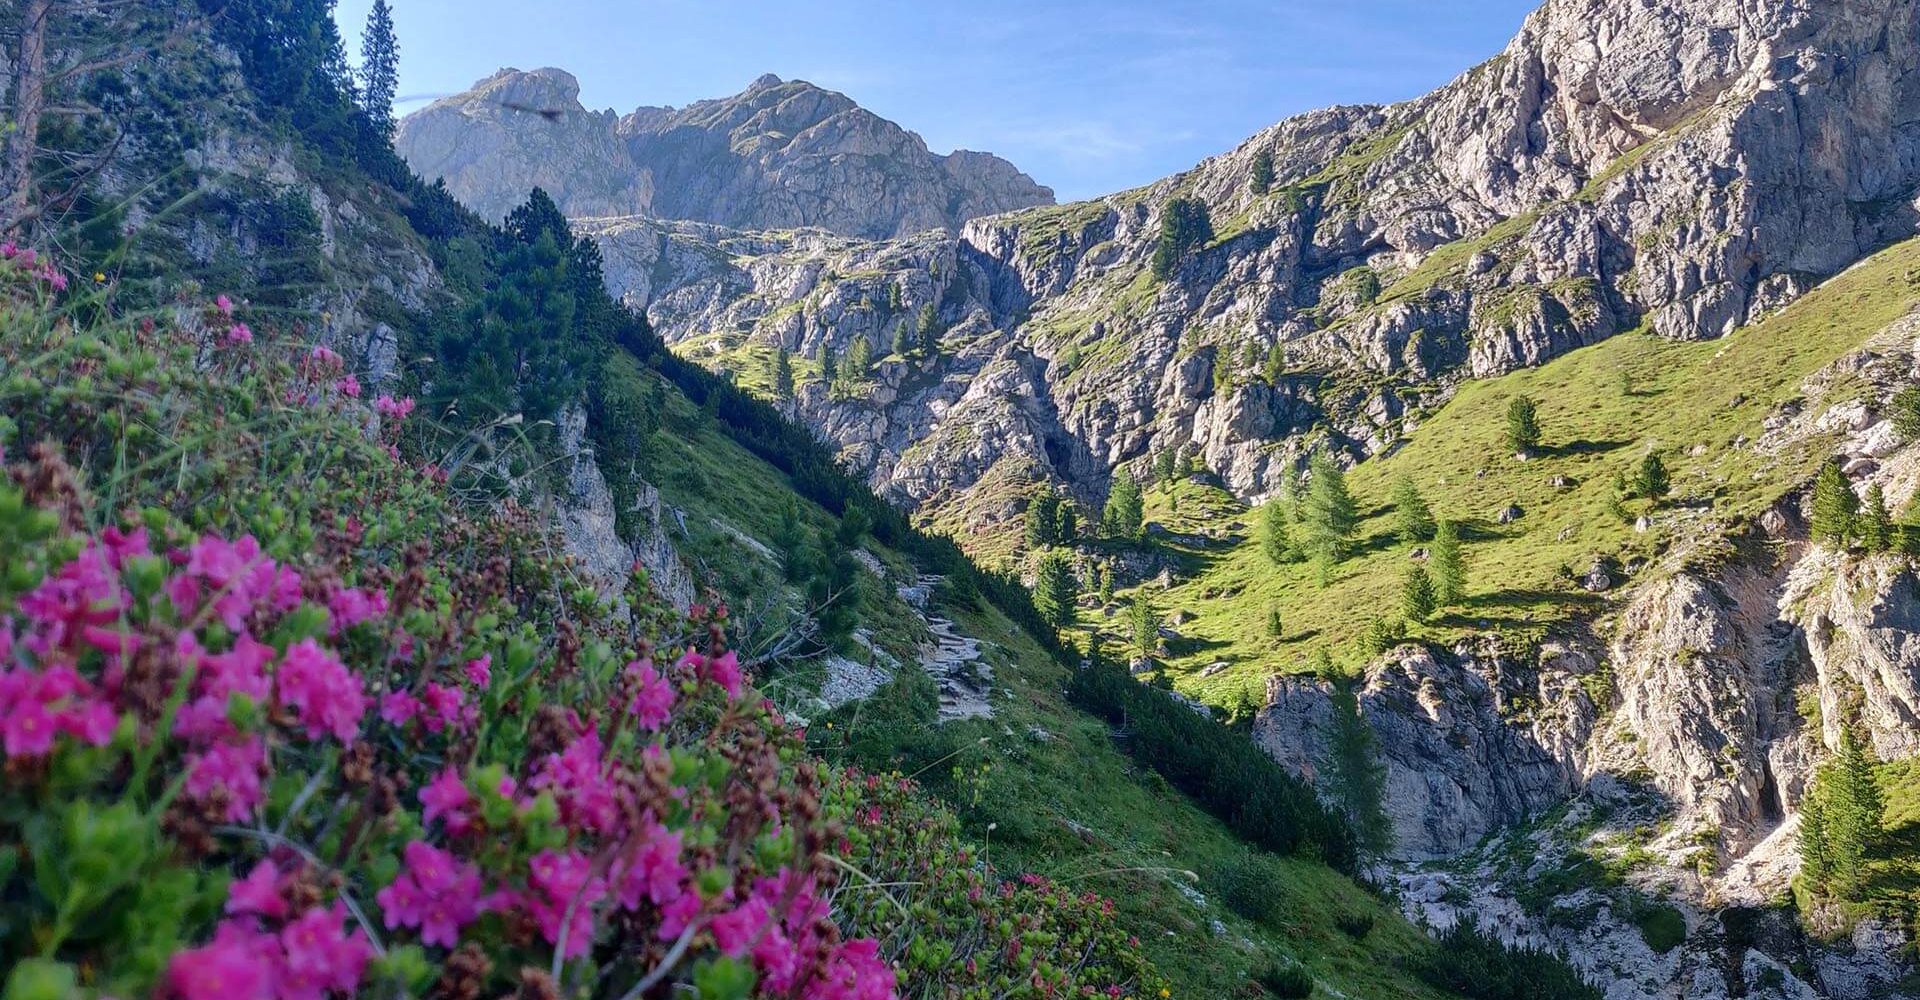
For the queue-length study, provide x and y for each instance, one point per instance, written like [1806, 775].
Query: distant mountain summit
[781, 154]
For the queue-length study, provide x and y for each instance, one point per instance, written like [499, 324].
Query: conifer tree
[1523, 426]
[1816, 861]
[1876, 524]
[1413, 519]
[1276, 539]
[1854, 808]
[1143, 625]
[1276, 366]
[379, 67]
[829, 365]
[1067, 525]
[902, 342]
[1906, 413]
[1106, 584]
[1054, 590]
[1275, 627]
[927, 329]
[1184, 225]
[1043, 519]
[1262, 181]
[1163, 467]
[1416, 595]
[1125, 511]
[782, 373]
[1834, 505]
[1444, 563]
[1330, 514]
[859, 362]
[1651, 481]
[1356, 779]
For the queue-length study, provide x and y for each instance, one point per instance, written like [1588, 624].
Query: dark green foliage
[1652, 482]
[1662, 927]
[1222, 770]
[1276, 538]
[1412, 518]
[1262, 180]
[1043, 519]
[1275, 627]
[1163, 467]
[902, 340]
[1329, 514]
[1444, 563]
[829, 364]
[1416, 595]
[1249, 886]
[1184, 226]
[1842, 820]
[1380, 635]
[1355, 924]
[1906, 413]
[1834, 505]
[1055, 592]
[1222, 373]
[1125, 510]
[782, 373]
[1478, 966]
[1106, 584]
[1143, 625]
[927, 329]
[625, 414]
[1523, 425]
[1288, 980]
[1356, 778]
[1876, 523]
[1066, 526]
[379, 68]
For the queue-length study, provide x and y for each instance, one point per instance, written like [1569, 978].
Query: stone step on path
[953, 660]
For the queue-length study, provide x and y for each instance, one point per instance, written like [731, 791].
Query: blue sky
[1088, 96]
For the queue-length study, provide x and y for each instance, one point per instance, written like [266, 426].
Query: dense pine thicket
[1219, 768]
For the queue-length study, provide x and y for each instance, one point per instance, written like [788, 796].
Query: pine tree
[782, 373]
[1222, 373]
[1854, 808]
[902, 341]
[1043, 519]
[1054, 591]
[1816, 857]
[1444, 563]
[1184, 225]
[859, 363]
[379, 67]
[1143, 625]
[1330, 513]
[1906, 413]
[1276, 367]
[1262, 171]
[1275, 627]
[1651, 481]
[1413, 519]
[927, 329]
[1163, 468]
[1106, 584]
[1523, 426]
[1834, 505]
[1416, 595]
[789, 541]
[1276, 540]
[1876, 524]
[829, 365]
[1125, 510]
[1356, 779]
[1067, 525]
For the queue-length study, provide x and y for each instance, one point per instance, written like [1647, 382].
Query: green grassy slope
[1602, 409]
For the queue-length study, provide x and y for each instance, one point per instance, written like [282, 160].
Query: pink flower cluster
[35, 706]
[779, 926]
[723, 670]
[76, 610]
[235, 577]
[436, 892]
[588, 801]
[308, 955]
[392, 409]
[653, 697]
[30, 262]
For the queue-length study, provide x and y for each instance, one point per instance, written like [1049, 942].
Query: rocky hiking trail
[953, 660]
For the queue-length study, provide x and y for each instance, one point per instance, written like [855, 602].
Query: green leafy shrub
[1478, 966]
[1355, 924]
[1288, 980]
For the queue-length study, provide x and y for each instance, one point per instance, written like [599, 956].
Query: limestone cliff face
[779, 155]
[1685, 164]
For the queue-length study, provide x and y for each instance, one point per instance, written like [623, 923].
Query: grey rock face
[780, 155]
[1687, 164]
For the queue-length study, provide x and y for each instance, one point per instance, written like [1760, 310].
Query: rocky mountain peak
[781, 154]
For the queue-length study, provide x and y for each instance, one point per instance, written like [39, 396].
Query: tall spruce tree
[1262, 180]
[1416, 595]
[1816, 857]
[1330, 514]
[1876, 522]
[1444, 563]
[1143, 625]
[1413, 519]
[1184, 225]
[1043, 519]
[1276, 537]
[1523, 426]
[1125, 510]
[1651, 481]
[1356, 778]
[782, 373]
[1054, 590]
[1834, 505]
[1854, 811]
[379, 68]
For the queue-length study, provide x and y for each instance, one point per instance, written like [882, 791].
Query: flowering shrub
[283, 717]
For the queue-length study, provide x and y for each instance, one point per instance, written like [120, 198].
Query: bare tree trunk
[29, 97]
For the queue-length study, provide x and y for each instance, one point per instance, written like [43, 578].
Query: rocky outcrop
[1689, 165]
[779, 155]
[1466, 749]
